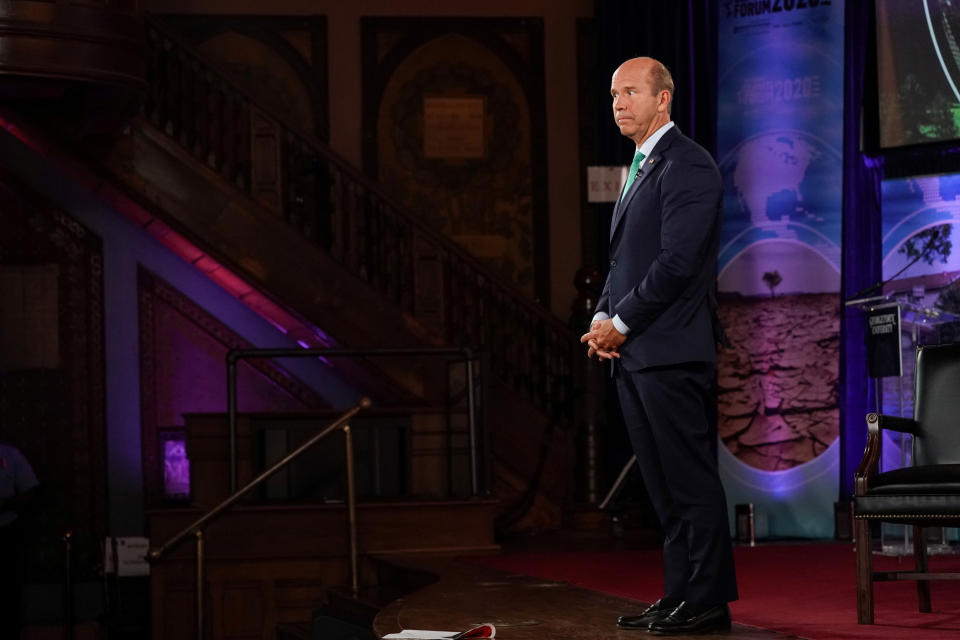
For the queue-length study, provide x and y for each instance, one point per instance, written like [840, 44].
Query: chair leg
[920, 562]
[861, 530]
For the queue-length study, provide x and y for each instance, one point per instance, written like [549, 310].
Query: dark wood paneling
[518, 44]
[56, 415]
[101, 43]
[245, 602]
[180, 345]
[267, 565]
[288, 532]
[267, 173]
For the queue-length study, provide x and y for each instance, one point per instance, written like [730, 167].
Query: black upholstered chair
[925, 494]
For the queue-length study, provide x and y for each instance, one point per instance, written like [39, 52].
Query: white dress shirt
[646, 148]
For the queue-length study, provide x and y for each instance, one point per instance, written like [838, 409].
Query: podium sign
[884, 354]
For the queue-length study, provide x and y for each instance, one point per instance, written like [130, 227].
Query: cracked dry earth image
[778, 385]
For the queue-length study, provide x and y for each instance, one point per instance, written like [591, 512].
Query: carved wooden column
[90, 40]
[80, 64]
[590, 381]
[266, 183]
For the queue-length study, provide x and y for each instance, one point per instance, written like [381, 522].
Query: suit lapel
[652, 164]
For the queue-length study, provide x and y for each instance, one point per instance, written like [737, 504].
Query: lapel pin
[651, 161]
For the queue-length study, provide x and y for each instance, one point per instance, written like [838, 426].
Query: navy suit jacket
[664, 237]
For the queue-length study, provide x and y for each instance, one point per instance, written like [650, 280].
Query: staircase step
[393, 573]
[324, 626]
[362, 608]
[293, 631]
[263, 532]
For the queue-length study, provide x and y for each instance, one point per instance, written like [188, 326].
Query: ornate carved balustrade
[316, 192]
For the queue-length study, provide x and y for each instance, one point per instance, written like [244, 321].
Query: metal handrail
[196, 528]
[234, 356]
[68, 596]
[158, 552]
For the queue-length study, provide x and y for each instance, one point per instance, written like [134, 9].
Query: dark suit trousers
[670, 413]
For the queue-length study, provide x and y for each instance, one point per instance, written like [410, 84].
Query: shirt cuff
[599, 316]
[620, 326]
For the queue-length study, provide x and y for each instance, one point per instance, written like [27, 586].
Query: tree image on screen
[929, 245]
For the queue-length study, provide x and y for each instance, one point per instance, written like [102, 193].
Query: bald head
[656, 72]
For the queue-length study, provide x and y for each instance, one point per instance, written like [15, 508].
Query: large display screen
[918, 66]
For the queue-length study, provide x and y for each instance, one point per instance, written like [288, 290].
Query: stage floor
[574, 585]
[521, 607]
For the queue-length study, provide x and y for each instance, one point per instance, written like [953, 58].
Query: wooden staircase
[270, 565]
[305, 228]
[312, 234]
[308, 231]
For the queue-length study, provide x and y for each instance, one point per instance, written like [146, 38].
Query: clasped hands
[603, 340]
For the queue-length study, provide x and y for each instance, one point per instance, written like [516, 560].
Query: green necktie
[634, 170]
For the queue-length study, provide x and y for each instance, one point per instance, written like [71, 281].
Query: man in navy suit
[655, 321]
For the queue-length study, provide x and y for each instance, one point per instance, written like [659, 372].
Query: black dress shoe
[657, 611]
[688, 619]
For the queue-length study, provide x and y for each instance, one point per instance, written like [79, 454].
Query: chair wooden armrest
[894, 423]
[870, 462]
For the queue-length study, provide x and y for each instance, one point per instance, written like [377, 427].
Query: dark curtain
[682, 35]
[861, 268]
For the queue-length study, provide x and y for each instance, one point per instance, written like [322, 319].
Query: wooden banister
[299, 178]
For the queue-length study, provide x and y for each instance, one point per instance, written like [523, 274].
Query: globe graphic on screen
[779, 177]
[778, 381]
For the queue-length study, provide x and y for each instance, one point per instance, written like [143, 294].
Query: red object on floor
[807, 590]
[486, 630]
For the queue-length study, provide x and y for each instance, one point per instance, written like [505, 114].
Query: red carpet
[805, 589]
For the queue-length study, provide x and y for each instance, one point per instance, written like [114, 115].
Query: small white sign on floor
[485, 630]
[127, 556]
